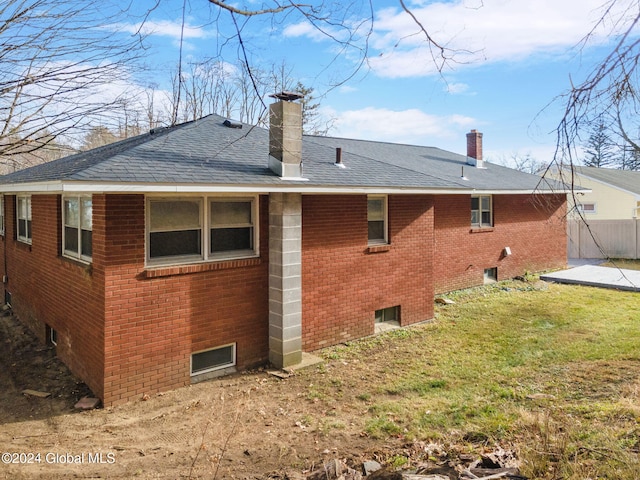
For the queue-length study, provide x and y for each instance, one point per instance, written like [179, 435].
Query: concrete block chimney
[285, 135]
[474, 149]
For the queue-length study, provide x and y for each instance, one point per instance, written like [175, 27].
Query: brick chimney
[285, 135]
[474, 149]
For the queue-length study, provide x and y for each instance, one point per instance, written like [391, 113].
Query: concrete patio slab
[596, 276]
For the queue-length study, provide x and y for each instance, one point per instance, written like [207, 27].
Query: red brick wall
[532, 226]
[129, 331]
[156, 319]
[47, 289]
[343, 285]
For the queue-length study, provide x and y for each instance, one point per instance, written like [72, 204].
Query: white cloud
[495, 30]
[457, 88]
[164, 28]
[411, 126]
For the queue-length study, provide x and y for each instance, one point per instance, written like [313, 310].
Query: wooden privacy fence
[604, 239]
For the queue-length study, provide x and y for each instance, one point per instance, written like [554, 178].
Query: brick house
[212, 246]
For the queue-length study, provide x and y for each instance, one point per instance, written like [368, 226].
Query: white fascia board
[297, 187]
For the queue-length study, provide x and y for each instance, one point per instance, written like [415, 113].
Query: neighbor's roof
[205, 155]
[625, 179]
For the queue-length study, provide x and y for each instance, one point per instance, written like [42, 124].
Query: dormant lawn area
[550, 372]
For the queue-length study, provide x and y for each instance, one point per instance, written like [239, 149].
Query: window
[377, 219]
[587, 207]
[231, 226]
[214, 359]
[390, 314]
[1, 214]
[24, 219]
[77, 220]
[490, 275]
[175, 229]
[481, 211]
[182, 230]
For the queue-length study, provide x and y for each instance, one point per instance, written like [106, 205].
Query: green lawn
[552, 371]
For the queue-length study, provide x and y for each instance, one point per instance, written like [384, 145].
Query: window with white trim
[1, 214]
[175, 229]
[191, 229]
[231, 226]
[377, 219]
[213, 359]
[481, 211]
[23, 207]
[77, 220]
[587, 207]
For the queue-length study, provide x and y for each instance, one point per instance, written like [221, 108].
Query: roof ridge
[405, 168]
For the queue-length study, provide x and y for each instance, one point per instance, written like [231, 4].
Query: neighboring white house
[615, 194]
[610, 222]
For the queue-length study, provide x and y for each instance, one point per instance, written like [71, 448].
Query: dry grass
[623, 263]
[551, 370]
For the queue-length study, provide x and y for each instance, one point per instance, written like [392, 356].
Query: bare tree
[524, 163]
[612, 86]
[58, 60]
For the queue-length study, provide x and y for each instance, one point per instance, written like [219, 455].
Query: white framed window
[587, 207]
[23, 207]
[1, 214]
[377, 219]
[231, 226]
[193, 229]
[481, 211]
[175, 229]
[213, 359]
[77, 232]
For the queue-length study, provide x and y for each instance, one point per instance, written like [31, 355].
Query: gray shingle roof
[626, 179]
[205, 152]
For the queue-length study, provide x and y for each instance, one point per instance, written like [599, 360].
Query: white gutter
[298, 187]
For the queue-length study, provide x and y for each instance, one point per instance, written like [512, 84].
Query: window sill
[167, 271]
[87, 265]
[481, 229]
[378, 248]
[24, 245]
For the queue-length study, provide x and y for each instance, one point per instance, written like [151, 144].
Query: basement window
[213, 359]
[390, 314]
[481, 211]
[377, 219]
[491, 275]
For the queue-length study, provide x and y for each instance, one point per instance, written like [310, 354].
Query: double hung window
[377, 219]
[24, 218]
[481, 211]
[78, 226]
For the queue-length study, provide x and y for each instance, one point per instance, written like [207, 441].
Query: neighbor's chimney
[285, 135]
[474, 149]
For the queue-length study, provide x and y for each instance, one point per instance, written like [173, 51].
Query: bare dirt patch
[250, 425]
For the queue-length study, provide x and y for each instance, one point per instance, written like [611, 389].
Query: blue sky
[513, 59]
